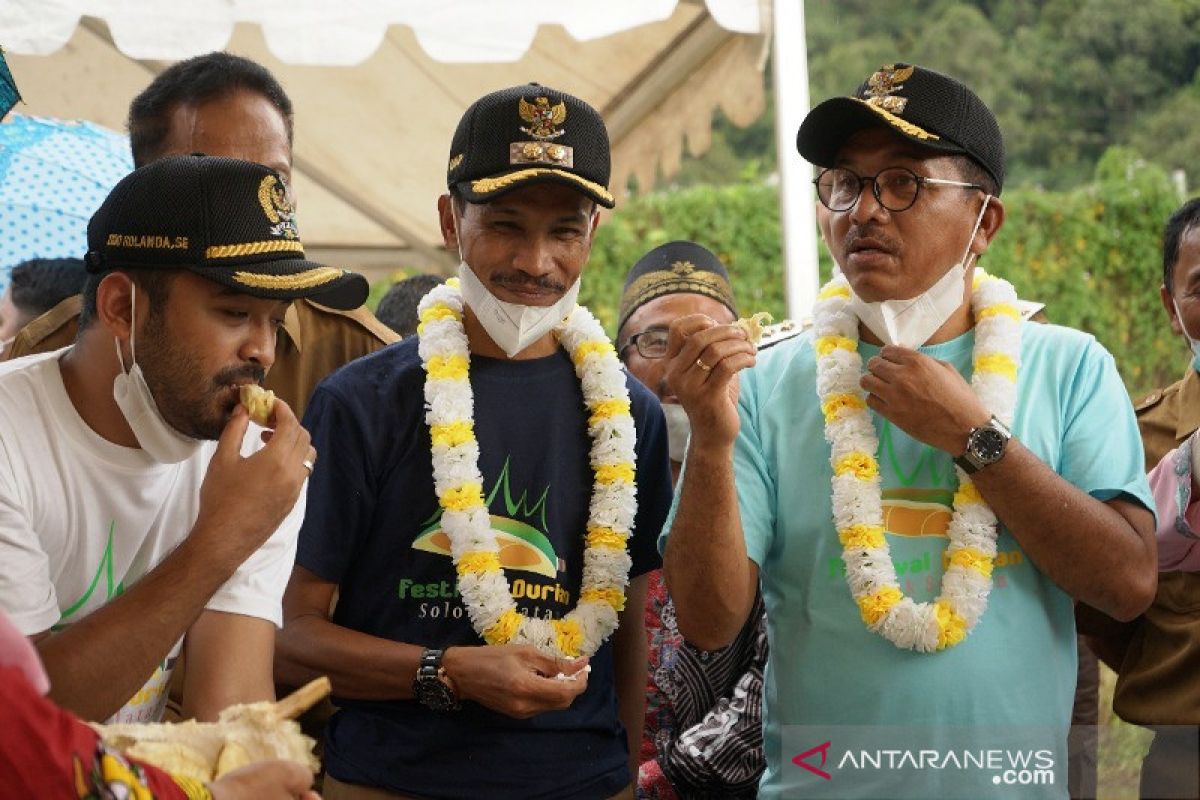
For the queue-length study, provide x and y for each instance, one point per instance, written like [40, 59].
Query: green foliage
[1091, 254]
[740, 223]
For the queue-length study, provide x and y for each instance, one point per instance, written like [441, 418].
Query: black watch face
[988, 444]
[434, 694]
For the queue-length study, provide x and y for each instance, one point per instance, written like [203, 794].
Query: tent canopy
[371, 140]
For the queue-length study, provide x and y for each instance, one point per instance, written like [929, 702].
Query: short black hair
[1182, 221]
[972, 171]
[398, 308]
[208, 77]
[40, 284]
[155, 283]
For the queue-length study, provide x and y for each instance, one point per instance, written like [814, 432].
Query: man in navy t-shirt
[426, 708]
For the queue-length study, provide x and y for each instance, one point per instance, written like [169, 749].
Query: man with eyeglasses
[925, 484]
[703, 733]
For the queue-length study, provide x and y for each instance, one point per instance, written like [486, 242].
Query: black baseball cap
[226, 220]
[529, 134]
[916, 103]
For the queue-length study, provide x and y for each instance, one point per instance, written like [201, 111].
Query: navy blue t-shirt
[372, 527]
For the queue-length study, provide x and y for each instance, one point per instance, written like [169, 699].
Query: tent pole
[797, 215]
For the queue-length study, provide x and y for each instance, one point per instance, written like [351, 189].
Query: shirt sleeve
[653, 486]
[1101, 448]
[26, 588]
[341, 497]
[256, 588]
[1171, 483]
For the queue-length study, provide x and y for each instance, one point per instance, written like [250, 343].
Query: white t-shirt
[82, 519]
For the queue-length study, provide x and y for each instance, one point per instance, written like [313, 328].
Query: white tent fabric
[346, 32]
[371, 141]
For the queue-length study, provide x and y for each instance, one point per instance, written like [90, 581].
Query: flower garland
[459, 483]
[857, 495]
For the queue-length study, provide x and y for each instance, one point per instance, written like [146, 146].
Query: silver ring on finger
[308, 465]
[703, 366]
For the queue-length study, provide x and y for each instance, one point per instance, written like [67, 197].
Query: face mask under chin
[132, 394]
[911, 322]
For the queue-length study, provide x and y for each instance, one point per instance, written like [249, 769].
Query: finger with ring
[703, 366]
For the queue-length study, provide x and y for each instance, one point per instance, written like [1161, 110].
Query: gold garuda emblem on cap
[276, 202]
[544, 119]
[882, 86]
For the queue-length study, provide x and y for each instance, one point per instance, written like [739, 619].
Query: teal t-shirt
[828, 677]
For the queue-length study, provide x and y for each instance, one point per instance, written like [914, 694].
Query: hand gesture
[704, 359]
[266, 780]
[244, 499]
[924, 397]
[515, 679]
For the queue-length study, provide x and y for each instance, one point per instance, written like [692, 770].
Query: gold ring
[308, 465]
[703, 366]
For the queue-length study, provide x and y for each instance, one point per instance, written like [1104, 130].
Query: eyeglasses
[895, 188]
[650, 343]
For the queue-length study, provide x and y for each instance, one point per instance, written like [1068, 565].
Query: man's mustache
[520, 279]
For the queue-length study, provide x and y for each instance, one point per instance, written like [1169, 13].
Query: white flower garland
[459, 483]
[857, 495]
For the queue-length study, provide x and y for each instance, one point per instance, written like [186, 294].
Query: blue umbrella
[8, 87]
[53, 175]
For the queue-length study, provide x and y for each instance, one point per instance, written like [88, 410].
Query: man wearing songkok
[924, 484]
[488, 499]
[141, 513]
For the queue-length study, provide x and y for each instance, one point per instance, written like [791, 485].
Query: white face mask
[679, 428]
[156, 436]
[512, 326]
[911, 322]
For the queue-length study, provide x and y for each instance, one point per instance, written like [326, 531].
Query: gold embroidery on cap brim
[653, 284]
[253, 248]
[301, 280]
[903, 125]
[488, 185]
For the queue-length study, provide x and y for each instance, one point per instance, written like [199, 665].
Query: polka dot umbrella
[53, 175]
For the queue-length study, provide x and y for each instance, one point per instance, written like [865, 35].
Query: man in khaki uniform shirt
[221, 104]
[1157, 656]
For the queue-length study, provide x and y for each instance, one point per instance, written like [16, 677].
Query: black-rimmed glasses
[650, 343]
[895, 188]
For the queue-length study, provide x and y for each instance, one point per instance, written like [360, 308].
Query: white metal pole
[797, 215]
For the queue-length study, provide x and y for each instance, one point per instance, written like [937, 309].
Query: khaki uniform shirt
[1159, 681]
[314, 341]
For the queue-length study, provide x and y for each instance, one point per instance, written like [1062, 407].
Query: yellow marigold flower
[1000, 309]
[838, 403]
[998, 363]
[452, 434]
[967, 493]
[504, 629]
[980, 277]
[462, 498]
[452, 283]
[587, 348]
[834, 290]
[862, 537]
[952, 628]
[439, 311]
[611, 473]
[568, 636]
[448, 368]
[614, 597]
[971, 558]
[875, 607]
[827, 344]
[606, 409]
[606, 538]
[862, 465]
[477, 562]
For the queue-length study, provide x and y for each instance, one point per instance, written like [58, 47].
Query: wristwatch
[432, 687]
[985, 445]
